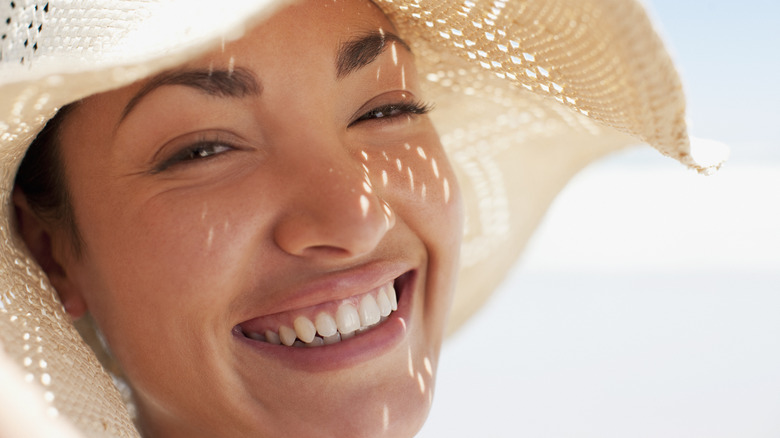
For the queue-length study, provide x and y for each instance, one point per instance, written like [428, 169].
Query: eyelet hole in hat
[20, 30]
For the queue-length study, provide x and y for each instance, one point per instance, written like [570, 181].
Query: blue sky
[728, 54]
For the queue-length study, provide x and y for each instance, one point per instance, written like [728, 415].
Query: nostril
[325, 250]
[340, 228]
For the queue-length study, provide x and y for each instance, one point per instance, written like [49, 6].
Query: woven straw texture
[527, 93]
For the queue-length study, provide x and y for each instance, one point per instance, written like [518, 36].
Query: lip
[335, 286]
[364, 346]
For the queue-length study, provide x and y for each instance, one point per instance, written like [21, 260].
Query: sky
[727, 55]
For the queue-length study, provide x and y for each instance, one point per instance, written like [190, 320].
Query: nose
[332, 210]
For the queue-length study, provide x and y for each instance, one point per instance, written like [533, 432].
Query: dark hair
[41, 178]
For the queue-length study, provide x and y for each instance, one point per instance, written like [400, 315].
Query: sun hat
[527, 91]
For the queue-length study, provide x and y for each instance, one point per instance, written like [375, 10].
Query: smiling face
[281, 190]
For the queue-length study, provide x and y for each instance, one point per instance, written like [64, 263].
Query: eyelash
[203, 149]
[200, 150]
[393, 110]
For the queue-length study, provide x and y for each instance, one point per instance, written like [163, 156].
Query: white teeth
[326, 325]
[347, 319]
[272, 337]
[287, 335]
[305, 329]
[383, 302]
[369, 311]
[390, 291]
[327, 330]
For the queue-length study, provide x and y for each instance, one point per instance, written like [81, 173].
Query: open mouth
[328, 323]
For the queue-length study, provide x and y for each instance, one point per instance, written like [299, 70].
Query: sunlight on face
[271, 232]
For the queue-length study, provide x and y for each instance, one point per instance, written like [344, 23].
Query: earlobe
[40, 240]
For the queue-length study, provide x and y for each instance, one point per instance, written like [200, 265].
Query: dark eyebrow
[238, 82]
[359, 52]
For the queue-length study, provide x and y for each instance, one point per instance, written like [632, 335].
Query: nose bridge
[332, 208]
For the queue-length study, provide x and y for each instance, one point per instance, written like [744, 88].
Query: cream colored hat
[527, 91]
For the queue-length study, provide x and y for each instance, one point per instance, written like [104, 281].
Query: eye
[198, 151]
[393, 110]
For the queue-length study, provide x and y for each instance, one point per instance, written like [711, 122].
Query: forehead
[295, 44]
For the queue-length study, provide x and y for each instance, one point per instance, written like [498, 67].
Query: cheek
[417, 181]
[166, 263]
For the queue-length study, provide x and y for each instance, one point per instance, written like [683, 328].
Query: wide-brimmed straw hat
[527, 93]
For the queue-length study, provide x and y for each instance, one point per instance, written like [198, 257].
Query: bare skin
[204, 213]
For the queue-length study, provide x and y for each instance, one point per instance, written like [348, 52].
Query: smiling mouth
[328, 323]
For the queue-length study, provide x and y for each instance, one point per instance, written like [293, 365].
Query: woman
[219, 212]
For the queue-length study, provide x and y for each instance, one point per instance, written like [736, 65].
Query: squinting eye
[206, 150]
[198, 151]
[394, 110]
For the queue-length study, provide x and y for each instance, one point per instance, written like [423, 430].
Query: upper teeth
[327, 328]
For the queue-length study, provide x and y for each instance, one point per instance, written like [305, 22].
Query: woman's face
[285, 181]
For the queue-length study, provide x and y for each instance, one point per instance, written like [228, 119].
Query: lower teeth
[318, 341]
[370, 312]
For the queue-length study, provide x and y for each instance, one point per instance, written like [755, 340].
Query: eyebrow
[237, 82]
[352, 55]
[359, 52]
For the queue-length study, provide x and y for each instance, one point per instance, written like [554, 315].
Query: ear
[45, 242]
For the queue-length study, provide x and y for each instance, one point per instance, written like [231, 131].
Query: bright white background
[648, 302]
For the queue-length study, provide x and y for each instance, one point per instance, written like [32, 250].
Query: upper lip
[335, 286]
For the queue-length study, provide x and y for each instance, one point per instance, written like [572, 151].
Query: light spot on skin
[407, 146]
[364, 154]
[384, 178]
[394, 52]
[398, 164]
[446, 191]
[421, 153]
[411, 364]
[210, 238]
[403, 77]
[389, 222]
[378, 71]
[411, 178]
[231, 65]
[435, 167]
[204, 212]
[367, 187]
[386, 418]
[421, 382]
[428, 366]
[423, 191]
[364, 204]
[384, 154]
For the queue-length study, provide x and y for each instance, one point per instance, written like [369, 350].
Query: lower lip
[362, 347]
